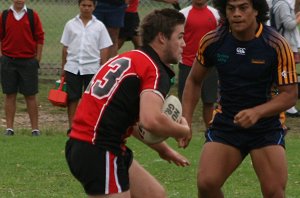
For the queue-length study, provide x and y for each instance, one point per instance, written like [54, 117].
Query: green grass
[36, 167]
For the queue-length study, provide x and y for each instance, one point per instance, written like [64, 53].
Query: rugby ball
[173, 109]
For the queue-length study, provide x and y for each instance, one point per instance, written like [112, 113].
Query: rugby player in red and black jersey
[129, 88]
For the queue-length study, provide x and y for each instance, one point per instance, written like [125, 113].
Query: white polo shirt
[84, 44]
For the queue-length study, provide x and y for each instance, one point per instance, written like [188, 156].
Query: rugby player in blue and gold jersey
[250, 58]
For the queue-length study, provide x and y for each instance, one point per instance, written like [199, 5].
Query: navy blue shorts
[246, 141]
[19, 75]
[111, 15]
[99, 171]
[76, 84]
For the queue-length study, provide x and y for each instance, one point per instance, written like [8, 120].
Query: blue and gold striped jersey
[247, 69]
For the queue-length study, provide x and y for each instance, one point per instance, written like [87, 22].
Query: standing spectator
[85, 48]
[21, 49]
[250, 58]
[130, 87]
[111, 13]
[131, 23]
[200, 19]
[287, 22]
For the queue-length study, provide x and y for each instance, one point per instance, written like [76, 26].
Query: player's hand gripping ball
[173, 109]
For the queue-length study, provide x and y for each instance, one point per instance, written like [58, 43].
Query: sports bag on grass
[58, 97]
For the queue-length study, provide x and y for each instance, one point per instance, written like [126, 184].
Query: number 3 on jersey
[104, 83]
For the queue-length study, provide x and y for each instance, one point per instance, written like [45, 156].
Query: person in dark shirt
[250, 58]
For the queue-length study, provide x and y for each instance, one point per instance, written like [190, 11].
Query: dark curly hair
[260, 5]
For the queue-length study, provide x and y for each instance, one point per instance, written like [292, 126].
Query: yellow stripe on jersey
[259, 31]
[205, 41]
[286, 68]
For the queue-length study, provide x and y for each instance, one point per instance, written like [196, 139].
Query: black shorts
[131, 24]
[209, 87]
[19, 75]
[246, 141]
[76, 84]
[99, 171]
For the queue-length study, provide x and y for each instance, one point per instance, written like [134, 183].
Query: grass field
[35, 167]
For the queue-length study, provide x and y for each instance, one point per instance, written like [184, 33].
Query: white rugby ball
[173, 109]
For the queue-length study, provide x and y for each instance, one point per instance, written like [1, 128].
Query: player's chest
[246, 60]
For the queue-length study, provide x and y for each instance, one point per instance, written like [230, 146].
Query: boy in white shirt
[85, 48]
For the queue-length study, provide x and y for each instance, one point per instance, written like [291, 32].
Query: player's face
[242, 18]
[86, 8]
[199, 3]
[18, 4]
[173, 47]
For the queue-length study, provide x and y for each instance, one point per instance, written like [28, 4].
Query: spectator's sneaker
[35, 132]
[9, 132]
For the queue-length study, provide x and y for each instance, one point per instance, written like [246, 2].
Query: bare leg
[114, 35]
[10, 109]
[216, 164]
[72, 106]
[137, 41]
[142, 184]
[32, 109]
[271, 168]
[121, 42]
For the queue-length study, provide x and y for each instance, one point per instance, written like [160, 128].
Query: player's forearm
[160, 147]
[280, 103]
[163, 126]
[190, 98]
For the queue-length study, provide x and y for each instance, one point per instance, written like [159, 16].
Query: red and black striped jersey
[110, 104]
[247, 70]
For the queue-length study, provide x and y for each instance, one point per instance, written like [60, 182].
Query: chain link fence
[54, 14]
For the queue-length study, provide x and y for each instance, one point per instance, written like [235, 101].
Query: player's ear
[161, 37]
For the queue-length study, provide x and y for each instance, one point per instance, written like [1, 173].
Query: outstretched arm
[169, 154]
[191, 95]
[164, 150]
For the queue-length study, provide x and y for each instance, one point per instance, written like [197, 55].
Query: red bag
[58, 97]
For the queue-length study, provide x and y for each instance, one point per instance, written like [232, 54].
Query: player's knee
[159, 192]
[207, 184]
[271, 191]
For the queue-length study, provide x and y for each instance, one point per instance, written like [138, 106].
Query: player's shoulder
[274, 38]
[214, 36]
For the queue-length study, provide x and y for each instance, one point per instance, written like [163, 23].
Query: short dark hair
[163, 21]
[94, 1]
[260, 5]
